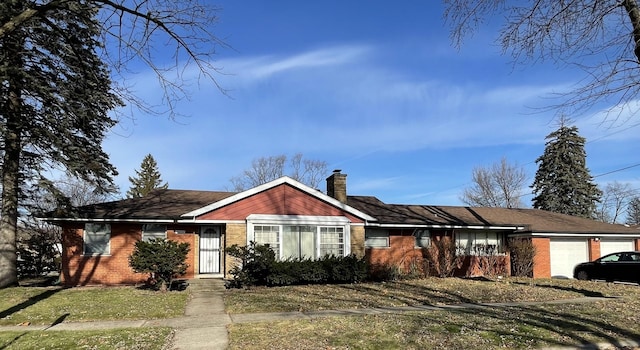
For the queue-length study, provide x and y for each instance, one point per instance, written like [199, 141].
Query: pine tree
[147, 178]
[563, 183]
[633, 212]
[55, 99]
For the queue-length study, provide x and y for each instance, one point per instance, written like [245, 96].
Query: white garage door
[565, 254]
[611, 245]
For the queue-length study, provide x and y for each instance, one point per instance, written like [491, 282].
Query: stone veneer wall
[357, 240]
[235, 234]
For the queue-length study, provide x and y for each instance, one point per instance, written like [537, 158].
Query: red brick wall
[637, 244]
[78, 269]
[542, 260]
[402, 253]
[594, 249]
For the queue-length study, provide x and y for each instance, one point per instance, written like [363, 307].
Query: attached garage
[565, 254]
[614, 245]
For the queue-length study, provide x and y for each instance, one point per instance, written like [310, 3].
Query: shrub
[253, 266]
[442, 257]
[162, 259]
[522, 253]
[257, 266]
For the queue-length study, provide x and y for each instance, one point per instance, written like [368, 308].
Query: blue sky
[376, 90]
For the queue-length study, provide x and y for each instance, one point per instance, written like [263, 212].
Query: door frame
[216, 248]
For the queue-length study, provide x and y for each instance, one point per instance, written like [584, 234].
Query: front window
[96, 239]
[374, 238]
[423, 238]
[332, 241]
[268, 235]
[301, 237]
[151, 231]
[478, 243]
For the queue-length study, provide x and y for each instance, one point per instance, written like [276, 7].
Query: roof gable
[271, 198]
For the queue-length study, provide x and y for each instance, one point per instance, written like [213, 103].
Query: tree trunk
[11, 166]
[634, 15]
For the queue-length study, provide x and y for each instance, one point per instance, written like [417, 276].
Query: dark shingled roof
[165, 204]
[159, 204]
[533, 220]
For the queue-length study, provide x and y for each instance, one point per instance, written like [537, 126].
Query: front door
[210, 249]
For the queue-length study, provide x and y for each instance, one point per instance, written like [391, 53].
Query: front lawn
[38, 305]
[130, 339]
[428, 291]
[490, 328]
[533, 326]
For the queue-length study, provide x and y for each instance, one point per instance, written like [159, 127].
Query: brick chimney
[337, 186]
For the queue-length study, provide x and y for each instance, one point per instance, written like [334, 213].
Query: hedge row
[259, 267]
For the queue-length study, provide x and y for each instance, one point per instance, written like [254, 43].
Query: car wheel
[582, 275]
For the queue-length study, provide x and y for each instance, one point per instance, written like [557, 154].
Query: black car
[623, 266]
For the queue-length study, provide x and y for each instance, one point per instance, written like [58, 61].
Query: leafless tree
[499, 185]
[600, 37]
[616, 198]
[264, 169]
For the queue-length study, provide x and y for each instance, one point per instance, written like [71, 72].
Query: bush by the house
[522, 253]
[257, 266]
[162, 259]
[254, 263]
[442, 257]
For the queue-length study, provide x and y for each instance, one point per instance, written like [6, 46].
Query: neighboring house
[298, 221]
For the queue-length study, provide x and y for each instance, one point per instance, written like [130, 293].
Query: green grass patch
[428, 291]
[487, 328]
[137, 338]
[48, 305]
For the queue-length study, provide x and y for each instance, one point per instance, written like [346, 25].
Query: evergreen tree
[563, 183]
[633, 212]
[147, 178]
[55, 98]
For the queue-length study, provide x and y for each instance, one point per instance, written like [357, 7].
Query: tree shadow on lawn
[409, 294]
[585, 292]
[31, 301]
[569, 328]
[12, 341]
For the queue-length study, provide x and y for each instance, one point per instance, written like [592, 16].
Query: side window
[151, 231]
[423, 238]
[611, 258]
[376, 239]
[96, 239]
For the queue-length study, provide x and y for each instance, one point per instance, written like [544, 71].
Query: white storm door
[612, 245]
[565, 254]
[210, 249]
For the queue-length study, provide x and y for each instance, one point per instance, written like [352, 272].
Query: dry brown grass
[513, 327]
[429, 291]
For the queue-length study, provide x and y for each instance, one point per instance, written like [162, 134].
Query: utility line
[617, 170]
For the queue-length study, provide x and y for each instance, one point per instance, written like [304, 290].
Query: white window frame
[150, 231]
[422, 238]
[96, 233]
[318, 222]
[478, 240]
[326, 247]
[376, 238]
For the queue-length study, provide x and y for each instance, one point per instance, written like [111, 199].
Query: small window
[376, 239]
[423, 238]
[151, 231]
[96, 239]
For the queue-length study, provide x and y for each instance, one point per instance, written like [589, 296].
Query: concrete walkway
[204, 323]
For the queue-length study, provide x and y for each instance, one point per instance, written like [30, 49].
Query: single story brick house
[299, 221]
